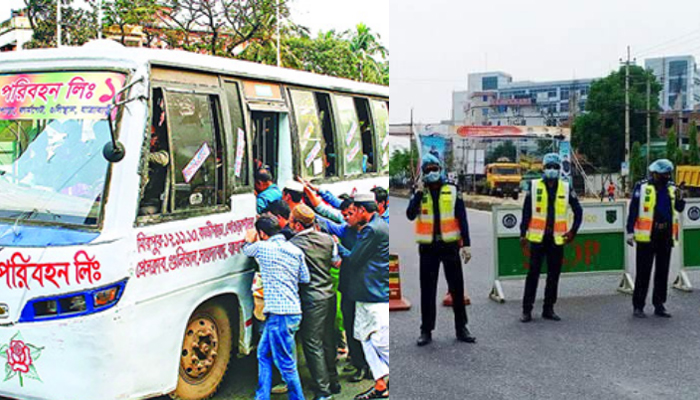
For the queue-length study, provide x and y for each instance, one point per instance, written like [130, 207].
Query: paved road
[598, 351]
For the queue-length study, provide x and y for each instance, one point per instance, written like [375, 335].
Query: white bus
[126, 186]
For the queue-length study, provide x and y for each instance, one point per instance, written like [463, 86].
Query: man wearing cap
[653, 224]
[267, 192]
[368, 264]
[545, 228]
[293, 193]
[318, 302]
[442, 233]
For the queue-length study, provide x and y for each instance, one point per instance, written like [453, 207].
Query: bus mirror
[113, 151]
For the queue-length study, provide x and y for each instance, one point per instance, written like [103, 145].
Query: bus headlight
[73, 304]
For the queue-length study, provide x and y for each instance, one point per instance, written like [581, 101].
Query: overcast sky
[315, 14]
[441, 41]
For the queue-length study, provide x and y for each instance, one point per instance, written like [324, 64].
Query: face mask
[662, 180]
[551, 173]
[432, 177]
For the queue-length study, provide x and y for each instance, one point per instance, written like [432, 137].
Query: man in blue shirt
[283, 268]
[653, 224]
[267, 192]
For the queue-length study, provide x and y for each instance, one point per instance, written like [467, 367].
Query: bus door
[271, 135]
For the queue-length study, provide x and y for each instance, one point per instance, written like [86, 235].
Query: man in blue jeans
[283, 268]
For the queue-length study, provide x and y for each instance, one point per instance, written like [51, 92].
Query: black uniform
[431, 255]
[658, 249]
[547, 249]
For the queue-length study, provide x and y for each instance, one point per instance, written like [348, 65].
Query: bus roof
[110, 53]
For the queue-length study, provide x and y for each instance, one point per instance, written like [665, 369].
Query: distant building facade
[680, 81]
[15, 32]
[493, 98]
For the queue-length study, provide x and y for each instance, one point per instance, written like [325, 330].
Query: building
[15, 32]
[680, 81]
[679, 121]
[493, 98]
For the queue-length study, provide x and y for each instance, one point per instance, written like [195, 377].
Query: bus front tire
[205, 353]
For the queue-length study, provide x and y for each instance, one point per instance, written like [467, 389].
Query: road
[597, 351]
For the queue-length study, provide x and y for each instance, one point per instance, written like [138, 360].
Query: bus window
[309, 134]
[351, 141]
[366, 127]
[326, 116]
[266, 140]
[153, 199]
[239, 146]
[196, 151]
[381, 124]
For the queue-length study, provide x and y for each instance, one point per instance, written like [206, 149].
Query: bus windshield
[506, 171]
[53, 170]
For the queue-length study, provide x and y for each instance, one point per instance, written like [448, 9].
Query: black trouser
[646, 253]
[355, 351]
[555, 256]
[318, 341]
[431, 255]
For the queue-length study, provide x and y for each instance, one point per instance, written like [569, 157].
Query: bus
[126, 188]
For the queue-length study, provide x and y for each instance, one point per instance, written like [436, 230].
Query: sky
[442, 41]
[314, 14]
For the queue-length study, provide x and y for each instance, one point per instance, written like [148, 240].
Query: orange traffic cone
[396, 300]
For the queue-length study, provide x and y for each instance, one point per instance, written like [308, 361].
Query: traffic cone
[396, 300]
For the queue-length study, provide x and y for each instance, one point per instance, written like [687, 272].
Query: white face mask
[432, 177]
[551, 173]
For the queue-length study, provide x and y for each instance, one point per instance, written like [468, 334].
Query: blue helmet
[551, 158]
[661, 166]
[429, 159]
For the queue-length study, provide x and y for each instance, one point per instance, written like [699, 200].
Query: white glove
[630, 239]
[466, 254]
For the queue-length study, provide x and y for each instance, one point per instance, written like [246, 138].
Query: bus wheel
[205, 353]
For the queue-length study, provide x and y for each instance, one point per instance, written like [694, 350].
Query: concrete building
[15, 32]
[493, 98]
[680, 81]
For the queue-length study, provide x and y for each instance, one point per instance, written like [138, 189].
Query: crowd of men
[316, 251]
[442, 233]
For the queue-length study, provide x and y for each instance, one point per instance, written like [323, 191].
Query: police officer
[442, 234]
[544, 227]
[653, 224]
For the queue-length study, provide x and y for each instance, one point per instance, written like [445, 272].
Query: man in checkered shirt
[283, 268]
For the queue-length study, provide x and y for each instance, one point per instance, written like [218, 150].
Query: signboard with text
[58, 95]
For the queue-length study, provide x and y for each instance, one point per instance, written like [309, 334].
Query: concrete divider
[689, 244]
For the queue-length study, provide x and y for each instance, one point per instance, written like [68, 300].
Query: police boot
[548, 313]
[463, 335]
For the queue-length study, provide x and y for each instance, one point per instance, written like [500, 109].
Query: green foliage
[79, 24]
[403, 162]
[693, 156]
[599, 134]
[673, 153]
[505, 149]
[122, 13]
[637, 163]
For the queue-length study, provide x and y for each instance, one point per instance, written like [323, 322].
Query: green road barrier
[689, 244]
[599, 247]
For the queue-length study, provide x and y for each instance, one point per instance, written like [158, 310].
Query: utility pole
[58, 23]
[410, 151]
[648, 120]
[279, 59]
[627, 119]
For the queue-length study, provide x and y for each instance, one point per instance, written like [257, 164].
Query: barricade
[396, 300]
[599, 247]
[689, 244]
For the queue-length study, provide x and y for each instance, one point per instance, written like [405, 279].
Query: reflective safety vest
[449, 226]
[540, 203]
[645, 218]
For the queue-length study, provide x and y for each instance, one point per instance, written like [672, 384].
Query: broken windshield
[53, 170]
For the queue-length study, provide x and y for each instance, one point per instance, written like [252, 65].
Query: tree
[672, 150]
[505, 149]
[366, 45]
[599, 134]
[78, 24]
[637, 163]
[124, 13]
[693, 155]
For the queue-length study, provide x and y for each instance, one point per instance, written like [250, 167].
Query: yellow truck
[688, 177]
[503, 179]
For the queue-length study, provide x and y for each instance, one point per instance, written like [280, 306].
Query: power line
[648, 49]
